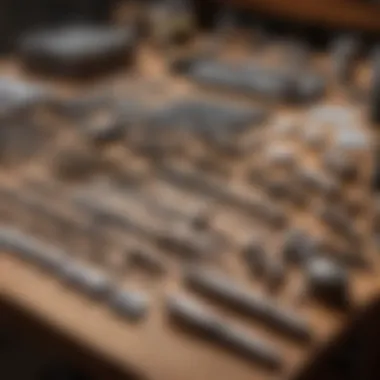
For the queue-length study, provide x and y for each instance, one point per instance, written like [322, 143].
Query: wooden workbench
[153, 347]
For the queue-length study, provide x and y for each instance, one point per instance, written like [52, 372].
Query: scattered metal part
[333, 114]
[91, 282]
[17, 96]
[77, 50]
[224, 290]
[31, 249]
[328, 282]
[197, 182]
[207, 118]
[252, 80]
[298, 247]
[129, 304]
[328, 118]
[188, 246]
[351, 139]
[254, 256]
[99, 208]
[147, 261]
[54, 225]
[191, 314]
